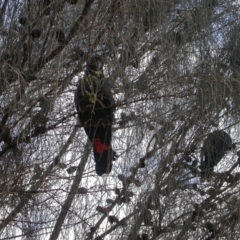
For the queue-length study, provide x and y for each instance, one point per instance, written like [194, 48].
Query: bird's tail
[103, 160]
[102, 149]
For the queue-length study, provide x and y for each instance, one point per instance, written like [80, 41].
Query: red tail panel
[100, 147]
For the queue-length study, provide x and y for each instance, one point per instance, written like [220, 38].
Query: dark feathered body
[95, 106]
[214, 147]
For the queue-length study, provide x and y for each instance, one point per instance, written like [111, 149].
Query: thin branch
[25, 199]
[71, 35]
[73, 191]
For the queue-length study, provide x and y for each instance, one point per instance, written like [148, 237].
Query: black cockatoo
[95, 106]
[214, 147]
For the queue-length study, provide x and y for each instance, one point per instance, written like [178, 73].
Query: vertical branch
[66, 206]
[2, 12]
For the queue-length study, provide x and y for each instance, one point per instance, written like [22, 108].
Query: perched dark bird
[95, 106]
[214, 147]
